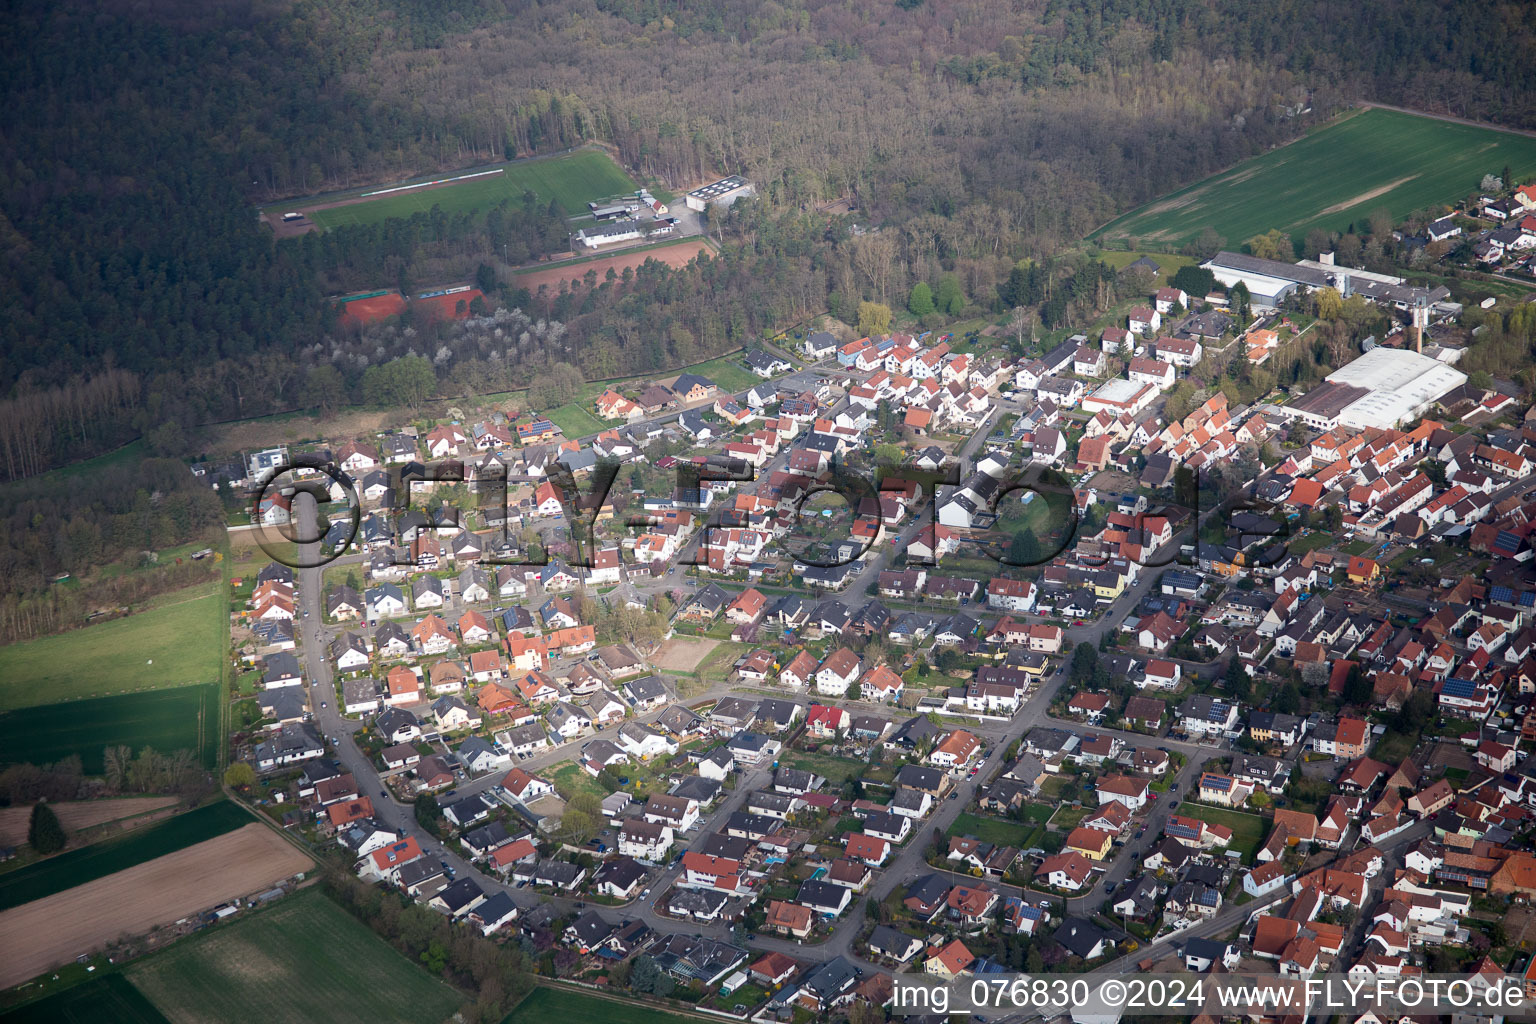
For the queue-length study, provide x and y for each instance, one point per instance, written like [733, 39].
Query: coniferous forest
[136, 139]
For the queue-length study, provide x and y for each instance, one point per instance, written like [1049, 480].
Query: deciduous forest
[136, 138]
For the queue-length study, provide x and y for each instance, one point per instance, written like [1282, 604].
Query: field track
[47, 932]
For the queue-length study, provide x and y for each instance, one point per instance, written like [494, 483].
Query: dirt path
[1365, 197]
[56, 929]
[75, 815]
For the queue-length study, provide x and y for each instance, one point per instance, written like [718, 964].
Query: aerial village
[1252, 688]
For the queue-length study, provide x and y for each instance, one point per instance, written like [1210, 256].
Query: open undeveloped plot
[174, 643]
[1248, 830]
[303, 960]
[186, 717]
[50, 931]
[680, 654]
[1333, 176]
[76, 815]
[574, 272]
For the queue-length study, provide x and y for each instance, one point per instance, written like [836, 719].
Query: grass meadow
[175, 643]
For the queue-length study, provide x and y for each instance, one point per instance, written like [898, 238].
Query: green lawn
[572, 180]
[836, 770]
[570, 779]
[1169, 265]
[173, 644]
[1331, 177]
[183, 717]
[556, 1004]
[575, 419]
[1037, 813]
[728, 372]
[1311, 542]
[304, 959]
[991, 830]
[1248, 830]
[67, 870]
[97, 1001]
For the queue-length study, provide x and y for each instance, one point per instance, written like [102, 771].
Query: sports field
[111, 998]
[573, 180]
[172, 644]
[546, 1004]
[183, 717]
[303, 960]
[76, 867]
[1331, 177]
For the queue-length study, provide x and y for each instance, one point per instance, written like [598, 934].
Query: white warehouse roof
[1401, 385]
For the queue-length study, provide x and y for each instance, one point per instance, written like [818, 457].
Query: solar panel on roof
[1459, 688]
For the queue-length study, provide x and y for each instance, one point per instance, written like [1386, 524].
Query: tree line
[149, 771]
[58, 524]
[973, 135]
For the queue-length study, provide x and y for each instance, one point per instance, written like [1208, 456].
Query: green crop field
[183, 717]
[573, 180]
[304, 959]
[1331, 177]
[546, 1004]
[172, 644]
[76, 867]
[110, 998]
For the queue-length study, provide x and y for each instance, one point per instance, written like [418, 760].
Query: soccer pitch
[573, 180]
[1332, 177]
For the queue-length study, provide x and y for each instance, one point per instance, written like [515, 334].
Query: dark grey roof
[929, 888]
[697, 787]
[460, 894]
[623, 872]
[1079, 935]
[591, 928]
[1270, 268]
